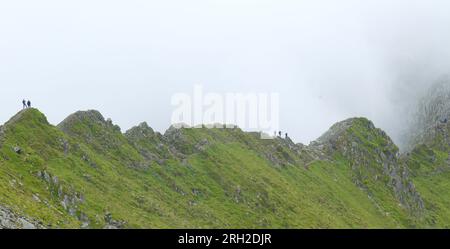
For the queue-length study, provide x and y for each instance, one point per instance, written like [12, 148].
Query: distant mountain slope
[429, 159]
[86, 173]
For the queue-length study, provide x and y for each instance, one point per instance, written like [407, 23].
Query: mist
[328, 60]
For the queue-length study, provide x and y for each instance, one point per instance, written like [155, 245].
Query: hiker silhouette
[24, 104]
[29, 104]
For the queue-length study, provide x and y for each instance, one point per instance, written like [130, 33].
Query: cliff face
[86, 173]
[428, 156]
[433, 109]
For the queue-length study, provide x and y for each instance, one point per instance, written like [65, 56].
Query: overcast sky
[329, 60]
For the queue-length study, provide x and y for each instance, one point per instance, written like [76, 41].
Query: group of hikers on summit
[279, 134]
[26, 104]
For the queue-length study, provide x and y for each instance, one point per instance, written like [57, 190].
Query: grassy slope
[228, 183]
[430, 165]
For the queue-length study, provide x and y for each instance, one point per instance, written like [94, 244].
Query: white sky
[329, 60]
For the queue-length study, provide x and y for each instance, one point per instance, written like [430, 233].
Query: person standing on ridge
[29, 104]
[24, 104]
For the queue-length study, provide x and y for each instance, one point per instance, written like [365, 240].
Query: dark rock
[17, 149]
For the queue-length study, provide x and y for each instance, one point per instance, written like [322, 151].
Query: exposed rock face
[179, 143]
[433, 113]
[142, 131]
[88, 117]
[151, 145]
[435, 106]
[68, 198]
[17, 149]
[92, 127]
[101, 135]
[111, 223]
[11, 220]
[279, 152]
[373, 157]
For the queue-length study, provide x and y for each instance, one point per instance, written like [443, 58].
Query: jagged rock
[111, 223]
[17, 149]
[432, 114]
[196, 192]
[202, 145]
[55, 180]
[88, 160]
[345, 137]
[65, 145]
[46, 176]
[108, 217]
[36, 198]
[26, 224]
[10, 220]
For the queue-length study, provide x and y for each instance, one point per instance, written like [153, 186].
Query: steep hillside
[86, 173]
[429, 159]
[433, 108]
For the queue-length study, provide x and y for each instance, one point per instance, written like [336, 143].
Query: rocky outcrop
[150, 144]
[373, 157]
[11, 220]
[69, 199]
[104, 137]
[180, 145]
[90, 117]
[433, 112]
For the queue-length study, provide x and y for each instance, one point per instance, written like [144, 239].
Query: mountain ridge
[86, 173]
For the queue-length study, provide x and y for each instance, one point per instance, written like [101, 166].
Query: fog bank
[329, 60]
